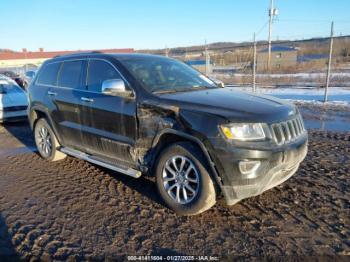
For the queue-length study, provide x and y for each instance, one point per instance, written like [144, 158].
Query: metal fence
[314, 63]
[318, 63]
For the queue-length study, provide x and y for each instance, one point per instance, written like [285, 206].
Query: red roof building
[19, 59]
[42, 54]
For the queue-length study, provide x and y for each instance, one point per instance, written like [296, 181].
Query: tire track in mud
[75, 210]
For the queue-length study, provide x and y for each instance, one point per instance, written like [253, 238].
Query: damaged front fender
[157, 121]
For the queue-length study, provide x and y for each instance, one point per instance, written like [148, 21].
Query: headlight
[243, 131]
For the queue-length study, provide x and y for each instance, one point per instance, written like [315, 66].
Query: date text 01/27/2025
[172, 258]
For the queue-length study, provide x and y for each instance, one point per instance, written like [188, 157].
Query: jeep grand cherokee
[144, 114]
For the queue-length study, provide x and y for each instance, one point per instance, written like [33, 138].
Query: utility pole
[207, 59]
[254, 65]
[272, 13]
[329, 63]
[25, 59]
[166, 51]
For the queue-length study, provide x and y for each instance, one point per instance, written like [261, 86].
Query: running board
[130, 172]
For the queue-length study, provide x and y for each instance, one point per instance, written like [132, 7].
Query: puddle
[329, 125]
[330, 120]
[337, 97]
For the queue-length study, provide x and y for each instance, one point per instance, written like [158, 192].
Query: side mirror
[115, 87]
[218, 82]
[221, 84]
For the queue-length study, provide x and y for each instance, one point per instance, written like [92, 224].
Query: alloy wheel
[180, 179]
[44, 141]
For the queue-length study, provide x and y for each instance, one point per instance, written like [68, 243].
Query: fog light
[248, 167]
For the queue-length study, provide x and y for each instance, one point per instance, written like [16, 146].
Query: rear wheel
[183, 180]
[46, 141]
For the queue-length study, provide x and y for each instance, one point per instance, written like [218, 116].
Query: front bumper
[277, 165]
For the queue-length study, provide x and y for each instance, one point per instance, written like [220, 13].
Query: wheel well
[36, 115]
[168, 139]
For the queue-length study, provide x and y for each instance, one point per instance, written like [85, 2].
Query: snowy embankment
[336, 95]
[298, 75]
[315, 79]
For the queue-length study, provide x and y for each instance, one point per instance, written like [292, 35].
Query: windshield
[164, 75]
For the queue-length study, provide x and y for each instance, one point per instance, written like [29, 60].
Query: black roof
[118, 56]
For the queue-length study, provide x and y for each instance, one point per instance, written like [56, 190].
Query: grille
[14, 108]
[287, 131]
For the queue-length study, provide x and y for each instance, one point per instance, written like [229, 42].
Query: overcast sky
[88, 24]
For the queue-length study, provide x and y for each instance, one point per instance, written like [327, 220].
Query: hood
[234, 105]
[13, 99]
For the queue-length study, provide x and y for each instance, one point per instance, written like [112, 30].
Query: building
[18, 61]
[200, 65]
[281, 57]
[314, 60]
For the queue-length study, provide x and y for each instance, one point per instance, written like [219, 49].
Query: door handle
[51, 93]
[86, 99]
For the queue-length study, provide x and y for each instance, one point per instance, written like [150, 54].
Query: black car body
[129, 132]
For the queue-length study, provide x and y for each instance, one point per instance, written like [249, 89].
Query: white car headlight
[243, 131]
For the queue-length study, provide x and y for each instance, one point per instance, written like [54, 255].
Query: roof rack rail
[80, 53]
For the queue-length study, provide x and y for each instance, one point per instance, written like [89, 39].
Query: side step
[130, 172]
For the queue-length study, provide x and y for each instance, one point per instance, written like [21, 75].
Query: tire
[46, 141]
[172, 179]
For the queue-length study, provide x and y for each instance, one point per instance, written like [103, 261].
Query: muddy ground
[75, 210]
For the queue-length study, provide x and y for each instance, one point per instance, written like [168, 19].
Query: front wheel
[183, 180]
[46, 141]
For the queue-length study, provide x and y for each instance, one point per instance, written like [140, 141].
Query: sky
[150, 24]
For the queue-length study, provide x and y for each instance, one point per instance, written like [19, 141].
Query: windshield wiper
[166, 91]
[201, 87]
[169, 91]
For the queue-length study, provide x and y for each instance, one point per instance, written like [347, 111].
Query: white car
[13, 100]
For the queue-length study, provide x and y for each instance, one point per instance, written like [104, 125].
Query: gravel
[73, 210]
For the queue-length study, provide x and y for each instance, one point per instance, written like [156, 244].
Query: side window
[99, 71]
[48, 75]
[70, 74]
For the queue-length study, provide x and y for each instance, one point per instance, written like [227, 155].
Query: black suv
[144, 114]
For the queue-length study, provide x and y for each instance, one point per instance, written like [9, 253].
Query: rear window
[70, 74]
[48, 75]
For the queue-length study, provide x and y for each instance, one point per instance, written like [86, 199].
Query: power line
[313, 35]
[262, 28]
[248, 43]
[312, 21]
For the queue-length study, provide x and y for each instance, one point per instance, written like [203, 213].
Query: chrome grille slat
[298, 124]
[302, 123]
[295, 124]
[281, 133]
[291, 127]
[287, 131]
